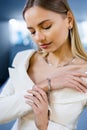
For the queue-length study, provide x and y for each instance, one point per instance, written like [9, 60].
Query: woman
[52, 76]
[53, 28]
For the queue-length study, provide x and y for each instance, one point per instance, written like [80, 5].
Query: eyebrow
[39, 23]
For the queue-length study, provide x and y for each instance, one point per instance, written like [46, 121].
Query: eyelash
[47, 27]
[32, 33]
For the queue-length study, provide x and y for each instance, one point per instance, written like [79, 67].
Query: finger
[82, 88]
[82, 83]
[33, 105]
[32, 100]
[78, 86]
[79, 82]
[37, 102]
[29, 98]
[39, 93]
[29, 102]
[42, 93]
[75, 85]
[80, 74]
[36, 94]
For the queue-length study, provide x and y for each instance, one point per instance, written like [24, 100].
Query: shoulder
[21, 56]
[80, 62]
[35, 59]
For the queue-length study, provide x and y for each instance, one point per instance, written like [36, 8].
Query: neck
[60, 56]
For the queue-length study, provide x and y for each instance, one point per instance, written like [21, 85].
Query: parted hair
[61, 7]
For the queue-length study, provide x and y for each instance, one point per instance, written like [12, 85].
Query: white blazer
[65, 108]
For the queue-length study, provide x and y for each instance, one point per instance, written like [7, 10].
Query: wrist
[43, 85]
[43, 128]
[56, 85]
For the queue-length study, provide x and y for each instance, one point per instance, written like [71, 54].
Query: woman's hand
[64, 78]
[39, 103]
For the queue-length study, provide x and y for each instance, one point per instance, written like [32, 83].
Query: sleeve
[12, 105]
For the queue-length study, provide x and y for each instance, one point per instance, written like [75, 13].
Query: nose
[39, 37]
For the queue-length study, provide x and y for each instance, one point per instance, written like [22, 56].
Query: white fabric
[66, 104]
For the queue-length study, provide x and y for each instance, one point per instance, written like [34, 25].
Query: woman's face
[48, 29]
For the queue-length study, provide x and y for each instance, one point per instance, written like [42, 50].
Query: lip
[46, 45]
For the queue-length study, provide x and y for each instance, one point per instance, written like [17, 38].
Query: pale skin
[50, 31]
[39, 106]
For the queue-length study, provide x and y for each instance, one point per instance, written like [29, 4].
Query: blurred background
[15, 37]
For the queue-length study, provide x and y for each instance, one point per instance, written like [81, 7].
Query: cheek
[61, 33]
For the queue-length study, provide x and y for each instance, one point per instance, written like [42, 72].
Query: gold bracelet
[49, 84]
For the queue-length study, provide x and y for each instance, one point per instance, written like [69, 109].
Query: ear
[70, 20]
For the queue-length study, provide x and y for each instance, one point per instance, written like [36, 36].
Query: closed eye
[47, 27]
[32, 32]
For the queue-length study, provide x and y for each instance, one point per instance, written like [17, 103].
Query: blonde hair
[76, 44]
[61, 7]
